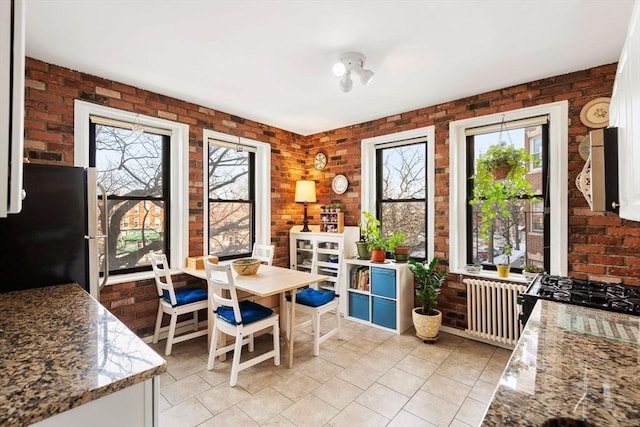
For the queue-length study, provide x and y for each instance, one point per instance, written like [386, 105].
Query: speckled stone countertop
[571, 362]
[59, 349]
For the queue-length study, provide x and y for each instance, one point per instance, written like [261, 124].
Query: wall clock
[339, 184]
[320, 160]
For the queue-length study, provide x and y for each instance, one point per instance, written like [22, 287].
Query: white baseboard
[464, 334]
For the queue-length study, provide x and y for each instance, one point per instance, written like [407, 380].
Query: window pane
[128, 164]
[228, 174]
[230, 228]
[507, 229]
[513, 226]
[410, 218]
[404, 173]
[131, 242]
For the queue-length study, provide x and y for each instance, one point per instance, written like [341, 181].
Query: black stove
[588, 293]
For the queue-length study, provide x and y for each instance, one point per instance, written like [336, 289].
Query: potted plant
[503, 269]
[369, 230]
[396, 244]
[500, 201]
[377, 244]
[429, 281]
[530, 271]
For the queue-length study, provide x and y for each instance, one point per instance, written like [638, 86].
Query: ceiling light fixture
[351, 62]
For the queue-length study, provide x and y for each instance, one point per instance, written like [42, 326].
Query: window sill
[493, 275]
[133, 277]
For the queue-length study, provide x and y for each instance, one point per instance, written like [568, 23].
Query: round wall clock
[339, 184]
[320, 160]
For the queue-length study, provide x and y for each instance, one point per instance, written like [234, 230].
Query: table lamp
[305, 192]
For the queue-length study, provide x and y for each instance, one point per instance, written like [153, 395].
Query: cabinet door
[302, 255]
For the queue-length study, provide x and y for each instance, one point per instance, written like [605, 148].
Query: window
[132, 168]
[238, 194]
[401, 193]
[161, 153]
[553, 224]
[397, 185]
[510, 228]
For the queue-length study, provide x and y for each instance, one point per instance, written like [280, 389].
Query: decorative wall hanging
[595, 114]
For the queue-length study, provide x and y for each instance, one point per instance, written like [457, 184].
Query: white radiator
[492, 310]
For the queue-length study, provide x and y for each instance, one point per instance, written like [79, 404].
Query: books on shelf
[359, 279]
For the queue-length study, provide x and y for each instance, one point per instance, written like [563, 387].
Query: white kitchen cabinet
[135, 406]
[625, 115]
[379, 294]
[323, 253]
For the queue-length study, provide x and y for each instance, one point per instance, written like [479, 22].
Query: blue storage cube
[383, 312]
[359, 306]
[383, 282]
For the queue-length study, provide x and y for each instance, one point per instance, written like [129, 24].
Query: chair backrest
[263, 252]
[220, 277]
[162, 275]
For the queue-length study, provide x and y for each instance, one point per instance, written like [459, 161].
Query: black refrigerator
[44, 244]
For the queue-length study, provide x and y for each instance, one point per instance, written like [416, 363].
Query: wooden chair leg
[195, 320]
[212, 349]
[236, 361]
[276, 344]
[338, 323]
[315, 321]
[156, 333]
[172, 332]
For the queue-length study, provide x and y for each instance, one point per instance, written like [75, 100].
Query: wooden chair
[315, 303]
[237, 319]
[263, 252]
[175, 302]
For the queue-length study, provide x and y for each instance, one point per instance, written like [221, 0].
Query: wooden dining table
[269, 280]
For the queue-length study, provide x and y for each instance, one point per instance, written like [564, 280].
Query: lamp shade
[305, 191]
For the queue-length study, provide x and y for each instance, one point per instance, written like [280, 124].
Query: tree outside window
[402, 193]
[131, 167]
[231, 200]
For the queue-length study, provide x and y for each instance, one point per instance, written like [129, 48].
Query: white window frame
[368, 173]
[262, 183]
[178, 175]
[558, 192]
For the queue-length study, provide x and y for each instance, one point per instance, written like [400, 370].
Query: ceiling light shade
[351, 61]
[346, 83]
[339, 69]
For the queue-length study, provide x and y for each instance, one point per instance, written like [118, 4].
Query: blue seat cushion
[313, 297]
[249, 311]
[186, 295]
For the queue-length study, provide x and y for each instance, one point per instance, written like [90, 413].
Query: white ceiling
[270, 61]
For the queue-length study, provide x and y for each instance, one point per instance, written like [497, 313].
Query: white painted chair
[237, 319]
[263, 252]
[315, 303]
[175, 302]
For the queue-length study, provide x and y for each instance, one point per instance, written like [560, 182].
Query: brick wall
[601, 245]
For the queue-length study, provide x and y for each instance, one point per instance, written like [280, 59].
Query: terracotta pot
[378, 255]
[501, 172]
[401, 253]
[503, 270]
[427, 327]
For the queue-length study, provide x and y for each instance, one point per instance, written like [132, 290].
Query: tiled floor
[369, 378]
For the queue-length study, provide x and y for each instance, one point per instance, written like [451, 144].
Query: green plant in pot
[503, 269]
[396, 244]
[429, 281]
[369, 231]
[501, 201]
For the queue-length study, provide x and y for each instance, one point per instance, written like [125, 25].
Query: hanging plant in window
[501, 187]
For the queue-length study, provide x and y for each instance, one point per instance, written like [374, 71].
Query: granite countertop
[59, 349]
[571, 362]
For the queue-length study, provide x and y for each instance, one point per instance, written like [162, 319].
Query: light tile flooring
[369, 378]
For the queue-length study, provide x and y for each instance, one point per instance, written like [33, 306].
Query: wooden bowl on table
[246, 266]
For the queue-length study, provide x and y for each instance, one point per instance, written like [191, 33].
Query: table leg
[292, 314]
